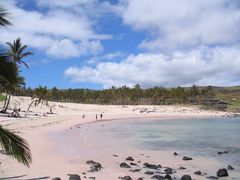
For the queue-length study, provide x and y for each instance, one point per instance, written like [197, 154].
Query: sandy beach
[42, 130]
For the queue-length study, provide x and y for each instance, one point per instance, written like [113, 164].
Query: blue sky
[100, 43]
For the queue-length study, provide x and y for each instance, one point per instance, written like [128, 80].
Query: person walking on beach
[96, 116]
[101, 115]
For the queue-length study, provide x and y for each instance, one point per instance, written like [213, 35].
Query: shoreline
[37, 132]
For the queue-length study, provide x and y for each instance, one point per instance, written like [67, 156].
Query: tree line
[124, 95]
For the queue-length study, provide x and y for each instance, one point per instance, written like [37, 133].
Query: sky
[102, 43]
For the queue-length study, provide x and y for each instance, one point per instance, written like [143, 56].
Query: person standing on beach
[101, 115]
[96, 116]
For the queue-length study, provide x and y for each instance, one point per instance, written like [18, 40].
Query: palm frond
[15, 146]
[3, 15]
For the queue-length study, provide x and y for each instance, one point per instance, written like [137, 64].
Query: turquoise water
[201, 137]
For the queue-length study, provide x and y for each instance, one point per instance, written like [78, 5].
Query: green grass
[230, 95]
[2, 98]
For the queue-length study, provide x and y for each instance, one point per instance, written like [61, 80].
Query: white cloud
[177, 24]
[66, 48]
[203, 66]
[107, 57]
[56, 30]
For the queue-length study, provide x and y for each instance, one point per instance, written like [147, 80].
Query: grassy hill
[230, 95]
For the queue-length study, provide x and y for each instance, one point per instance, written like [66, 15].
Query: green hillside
[230, 95]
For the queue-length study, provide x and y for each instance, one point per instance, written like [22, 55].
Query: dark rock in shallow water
[212, 177]
[230, 167]
[125, 178]
[182, 168]
[140, 178]
[152, 166]
[133, 164]
[135, 170]
[90, 162]
[95, 166]
[56, 178]
[222, 172]
[115, 155]
[198, 173]
[158, 177]
[224, 152]
[130, 158]
[168, 171]
[92, 178]
[149, 173]
[124, 165]
[175, 153]
[168, 177]
[74, 177]
[186, 177]
[185, 158]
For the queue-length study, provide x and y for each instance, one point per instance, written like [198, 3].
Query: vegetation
[15, 146]
[10, 80]
[40, 96]
[125, 95]
[208, 97]
[230, 95]
[2, 97]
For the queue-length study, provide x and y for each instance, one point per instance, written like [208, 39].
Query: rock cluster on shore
[152, 171]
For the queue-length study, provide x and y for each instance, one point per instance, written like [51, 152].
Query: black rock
[182, 168]
[149, 173]
[230, 167]
[220, 152]
[198, 173]
[95, 166]
[133, 164]
[90, 162]
[74, 177]
[186, 177]
[92, 178]
[130, 158]
[212, 177]
[168, 177]
[135, 170]
[175, 153]
[222, 172]
[126, 178]
[168, 171]
[185, 158]
[115, 155]
[56, 178]
[225, 152]
[124, 165]
[140, 178]
[152, 166]
[158, 177]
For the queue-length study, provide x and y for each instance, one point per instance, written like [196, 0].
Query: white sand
[37, 126]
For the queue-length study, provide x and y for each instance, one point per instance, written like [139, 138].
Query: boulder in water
[222, 172]
[186, 177]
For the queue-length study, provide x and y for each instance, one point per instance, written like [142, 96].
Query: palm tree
[3, 15]
[14, 145]
[17, 51]
[41, 95]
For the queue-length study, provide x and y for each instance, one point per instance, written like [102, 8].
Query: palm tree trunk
[5, 101]
[31, 105]
[6, 107]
